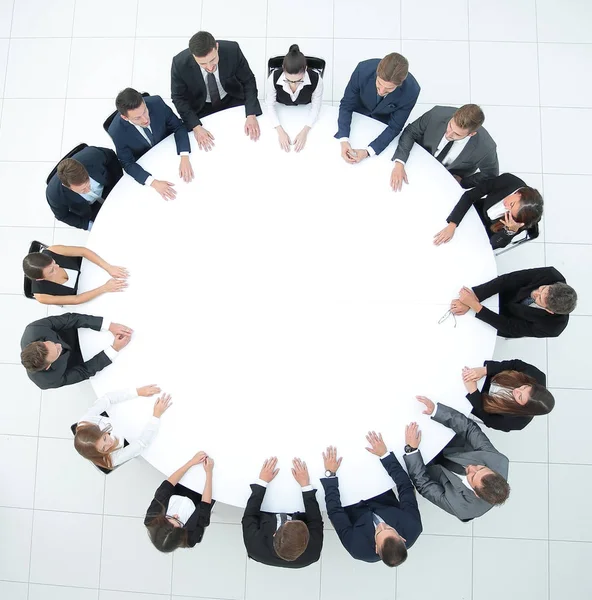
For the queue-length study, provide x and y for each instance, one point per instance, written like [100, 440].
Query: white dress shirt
[109, 350]
[457, 147]
[182, 506]
[221, 90]
[133, 449]
[271, 101]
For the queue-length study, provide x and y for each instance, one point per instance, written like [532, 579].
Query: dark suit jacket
[260, 527]
[483, 197]
[71, 208]
[188, 88]
[354, 524]
[70, 367]
[479, 153]
[360, 96]
[197, 522]
[443, 487]
[503, 422]
[517, 320]
[130, 144]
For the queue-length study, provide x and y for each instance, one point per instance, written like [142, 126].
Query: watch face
[328, 473]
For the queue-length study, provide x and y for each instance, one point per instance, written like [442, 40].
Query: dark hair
[202, 43]
[128, 99]
[469, 116]
[291, 540]
[34, 263]
[562, 298]
[529, 212]
[85, 439]
[71, 172]
[493, 489]
[541, 401]
[164, 535]
[393, 68]
[294, 61]
[393, 552]
[34, 356]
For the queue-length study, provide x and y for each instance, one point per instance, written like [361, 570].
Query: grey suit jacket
[479, 153]
[441, 486]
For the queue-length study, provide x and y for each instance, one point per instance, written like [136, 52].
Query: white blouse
[182, 506]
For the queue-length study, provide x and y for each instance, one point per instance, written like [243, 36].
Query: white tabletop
[287, 302]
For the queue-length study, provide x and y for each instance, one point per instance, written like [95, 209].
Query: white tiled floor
[68, 533]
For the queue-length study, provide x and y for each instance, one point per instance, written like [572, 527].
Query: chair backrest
[519, 239]
[70, 154]
[276, 62]
[110, 118]
[27, 285]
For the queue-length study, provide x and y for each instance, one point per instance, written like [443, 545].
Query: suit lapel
[465, 153]
[134, 132]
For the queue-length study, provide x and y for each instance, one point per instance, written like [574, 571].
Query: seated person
[456, 138]
[513, 392]
[54, 275]
[380, 528]
[51, 351]
[141, 124]
[294, 84]
[210, 76]
[177, 516]
[283, 540]
[532, 303]
[381, 89]
[95, 438]
[468, 477]
[77, 191]
[506, 206]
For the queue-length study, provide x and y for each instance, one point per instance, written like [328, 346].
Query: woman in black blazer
[54, 274]
[505, 205]
[512, 394]
[178, 516]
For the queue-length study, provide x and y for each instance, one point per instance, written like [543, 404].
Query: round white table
[287, 302]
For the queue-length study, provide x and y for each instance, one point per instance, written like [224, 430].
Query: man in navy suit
[140, 125]
[82, 182]
[383, 527]
[381, 89]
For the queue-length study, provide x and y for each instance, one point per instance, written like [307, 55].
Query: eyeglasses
[446, 315]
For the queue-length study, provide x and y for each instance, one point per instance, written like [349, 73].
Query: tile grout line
[7, 61]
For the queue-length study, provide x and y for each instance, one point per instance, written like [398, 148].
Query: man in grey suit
[456, 138]
[468, 477]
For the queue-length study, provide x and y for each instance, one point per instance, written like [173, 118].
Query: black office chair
[519, 239]
[318, 64]
[69, 155]
[110, 118]
[27, 286]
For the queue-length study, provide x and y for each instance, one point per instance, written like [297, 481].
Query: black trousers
[227, 102]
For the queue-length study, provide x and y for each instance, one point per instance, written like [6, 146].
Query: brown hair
[469, 116]
[493, 489]
[85, 439]
[34, 263]
[393, 68]
[291, 540]
[541, 400]
[393, 552]
[34, 357]
[164, 535]
[71, 172]
[530, 211]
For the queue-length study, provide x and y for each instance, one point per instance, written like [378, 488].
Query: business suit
[259, 528]
[188, 88]
[354, 524]
[130, 144]
[503, 422]
[69, 367]
[360, 96]
[428, 131]
[71, 208]
[485, 195]
[439, 484]
[515, 319]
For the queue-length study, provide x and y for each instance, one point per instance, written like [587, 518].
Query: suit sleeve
[251, 520]
[405, 491]
[396, 122]
[180, 97]
[70, 321]
[160, 501]
[455, 420]
[469, 198]
[249, 83]
[414, 132]
[198, 522]
[488, 169]
[348, 104]
[337, 515]
[63, 213]
[174, 124]
[512, 281]
[129, 164]
[313, 516]
[84, 371]
[112, 167]
[511, 326]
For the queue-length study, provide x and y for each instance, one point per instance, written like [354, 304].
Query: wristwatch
[329, 473]
[409, 448]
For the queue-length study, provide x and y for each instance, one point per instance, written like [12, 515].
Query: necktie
[375, 519]
[528, 301]
[214, 91]
[452, 466]
[444, 152]
[149, 135]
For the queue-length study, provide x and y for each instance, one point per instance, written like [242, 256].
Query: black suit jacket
[131, 144]
[483, 197]
[503, 422]
[259, 528]
[354, 524]
[70, 367]
[517, 320]
[196, 523]
[71, 208]
[188, 88]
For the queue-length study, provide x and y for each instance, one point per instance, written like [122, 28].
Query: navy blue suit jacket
[354, 524]
[130, 144]
[360, 96]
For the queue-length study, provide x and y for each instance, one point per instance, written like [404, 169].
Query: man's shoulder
[182, 58]
[367, 66]
[410, 86]
[227, 46]
[485, 140]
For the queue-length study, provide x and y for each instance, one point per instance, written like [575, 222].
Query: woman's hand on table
[300, 139]
[148, 390]
[470, 383]
[115, 285]
[284, 139]
[161, 405]
[117, 272]
[185, 169]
